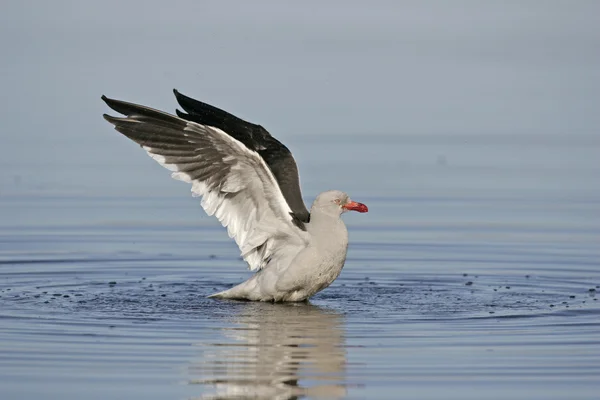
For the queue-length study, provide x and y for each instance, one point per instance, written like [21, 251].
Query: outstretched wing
[235, 183]
[277, 156]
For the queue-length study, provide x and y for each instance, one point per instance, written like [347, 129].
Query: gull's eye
[337, 201]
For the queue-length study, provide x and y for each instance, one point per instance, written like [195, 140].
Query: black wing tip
[181, 114]
[179, 96]
[182, 98]
[107, 117]
[112, 103]
[106, 100]
[116, 120]
[110, 119]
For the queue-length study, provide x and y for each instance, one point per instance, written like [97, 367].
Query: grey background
[514, 71]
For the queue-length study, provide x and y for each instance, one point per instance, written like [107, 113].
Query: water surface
[474, 275]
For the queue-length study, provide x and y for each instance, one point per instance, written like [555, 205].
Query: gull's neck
[327, 227]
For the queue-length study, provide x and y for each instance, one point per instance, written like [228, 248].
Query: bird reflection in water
[276, 351]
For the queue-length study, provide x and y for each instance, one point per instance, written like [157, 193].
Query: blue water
[474, 275]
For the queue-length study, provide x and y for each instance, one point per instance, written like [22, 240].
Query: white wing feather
[248, 202]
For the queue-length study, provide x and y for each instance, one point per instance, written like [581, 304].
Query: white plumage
[257, 217]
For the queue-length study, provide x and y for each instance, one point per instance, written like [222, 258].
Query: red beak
[355, 206]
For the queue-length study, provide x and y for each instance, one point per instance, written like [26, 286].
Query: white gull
[248, 181]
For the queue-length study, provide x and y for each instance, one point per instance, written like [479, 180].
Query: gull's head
[335, 202]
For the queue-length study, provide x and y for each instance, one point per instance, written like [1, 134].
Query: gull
[249, 181]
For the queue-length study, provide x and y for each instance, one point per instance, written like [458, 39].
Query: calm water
[474, 275]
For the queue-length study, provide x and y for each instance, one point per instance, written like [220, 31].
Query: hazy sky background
[335, 67]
